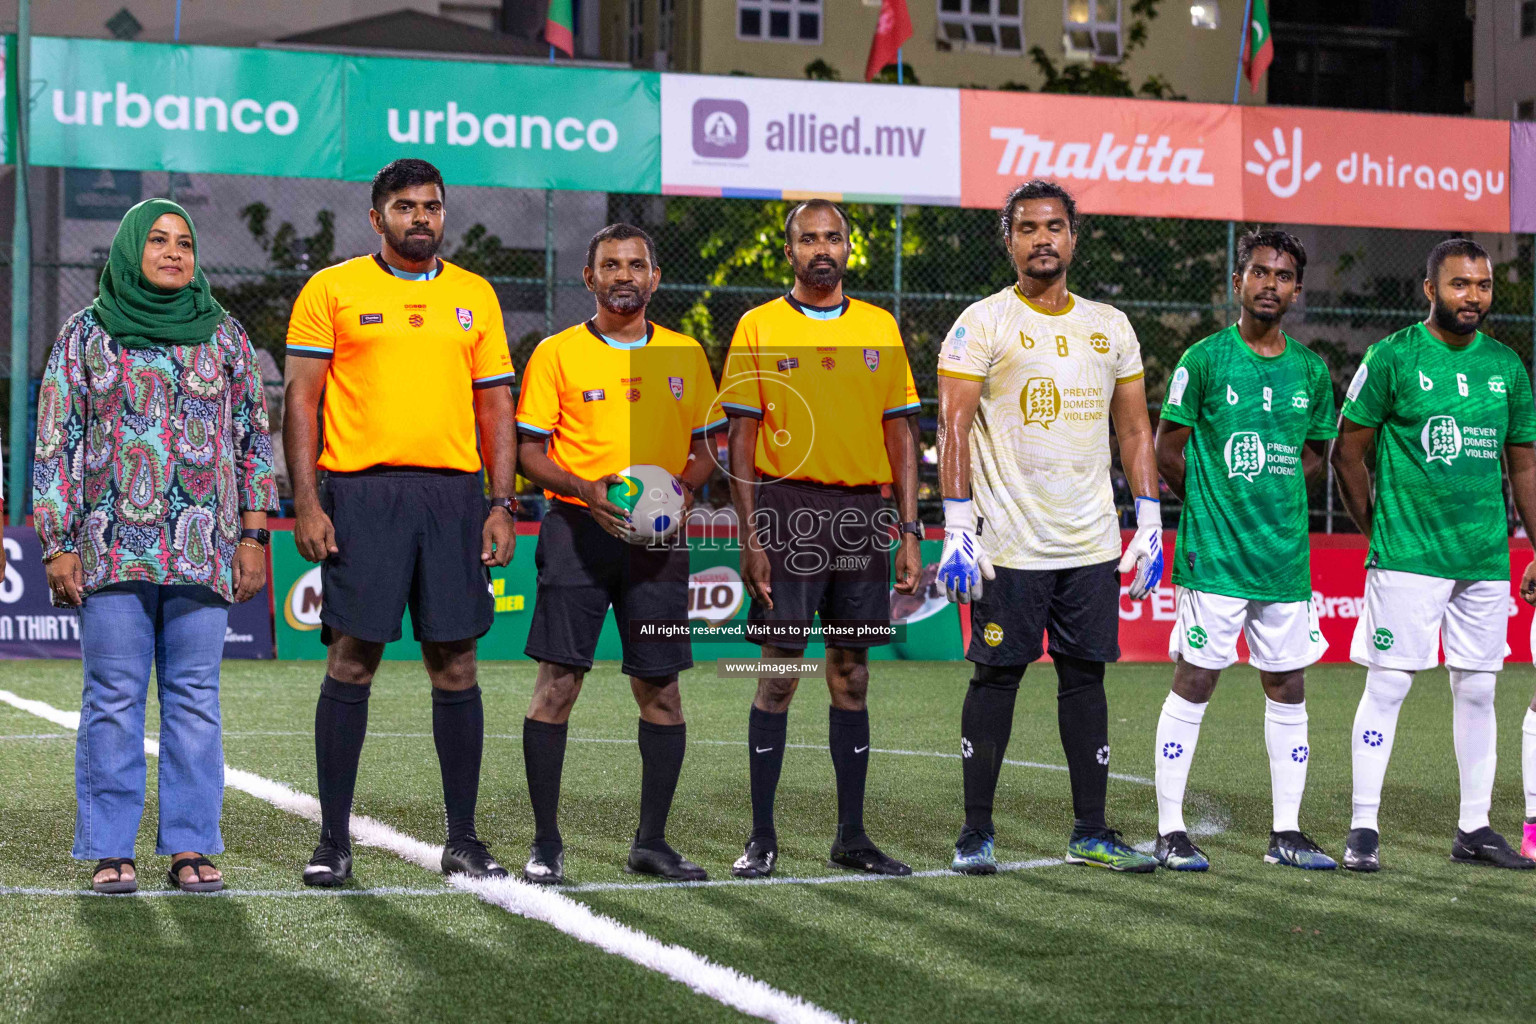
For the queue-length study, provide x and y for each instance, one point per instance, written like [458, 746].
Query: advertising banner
[717, 603]
[733, 136]
[1132, 157]
[1375, 170]
[1522, 176]
[185, 108]
[515, 125]
[30, 627]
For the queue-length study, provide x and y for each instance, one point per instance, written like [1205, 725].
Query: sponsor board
[733, 136]
[1375, 170]
[30, 627]
[1121, 157]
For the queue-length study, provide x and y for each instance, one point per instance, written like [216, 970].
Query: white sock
[1371, 745]
[1476, 744]
[1285, 737]
[1528, 761]
[1178, 730]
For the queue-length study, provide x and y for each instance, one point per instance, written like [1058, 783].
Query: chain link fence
[261, 238]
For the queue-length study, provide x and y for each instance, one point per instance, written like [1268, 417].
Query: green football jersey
[1243, 531]
[1442, 416]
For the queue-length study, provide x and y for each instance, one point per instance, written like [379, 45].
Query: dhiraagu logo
[1441, 438]
[1245, 455]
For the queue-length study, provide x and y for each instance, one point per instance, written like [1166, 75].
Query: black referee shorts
[828, 556]
[1078, 607]
[584, 570]
[407, 537]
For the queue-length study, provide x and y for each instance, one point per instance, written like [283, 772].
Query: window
[636, 30]
[787, 21]
[1527, 18]
[1205, 15]
[1525, 110]
[1091, 29]
[995, 25]
[666, 19]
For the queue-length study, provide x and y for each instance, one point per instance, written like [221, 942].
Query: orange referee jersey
[822, 381]
[605, 404]
[405, 357]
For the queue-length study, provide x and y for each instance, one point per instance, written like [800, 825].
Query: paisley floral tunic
[147, 457]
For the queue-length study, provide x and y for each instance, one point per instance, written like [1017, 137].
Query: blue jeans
[125, 629]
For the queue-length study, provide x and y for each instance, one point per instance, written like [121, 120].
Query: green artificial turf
[1422, 940]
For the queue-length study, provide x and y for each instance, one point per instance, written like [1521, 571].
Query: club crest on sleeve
[466, 318]
[676, 384]
[872, 359]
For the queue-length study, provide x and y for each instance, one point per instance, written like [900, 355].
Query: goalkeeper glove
[964, 564]
[1145, 551]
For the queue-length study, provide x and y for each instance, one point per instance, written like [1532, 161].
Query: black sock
[458, 730]
[986, 723]
[765, 759]
[1082, 713]
[543, 759]
[848, 739]
[341, 723]
[661, 762]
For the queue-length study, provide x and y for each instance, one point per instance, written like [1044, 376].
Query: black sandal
[197, 884]
[119, 884]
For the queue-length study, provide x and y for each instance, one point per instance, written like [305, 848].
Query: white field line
[39, 736]
[383, 890]
[1017, 865]
[716, 981]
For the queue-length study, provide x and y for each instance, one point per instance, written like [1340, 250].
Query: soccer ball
[652, 499]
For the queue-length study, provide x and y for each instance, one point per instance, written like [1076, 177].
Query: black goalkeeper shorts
[1079, 607]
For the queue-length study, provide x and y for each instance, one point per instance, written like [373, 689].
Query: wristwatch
[262, 537]
[510, 504]
[915, 528]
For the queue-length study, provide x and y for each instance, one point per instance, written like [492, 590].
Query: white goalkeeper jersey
[1040, 442]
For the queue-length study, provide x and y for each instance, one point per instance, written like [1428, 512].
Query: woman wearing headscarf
[152, 486]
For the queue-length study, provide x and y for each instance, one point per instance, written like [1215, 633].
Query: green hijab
[136, 313]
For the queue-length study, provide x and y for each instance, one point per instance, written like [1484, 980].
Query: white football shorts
[1408, 617]
[1283, 636]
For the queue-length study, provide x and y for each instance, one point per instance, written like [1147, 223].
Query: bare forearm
[541, 469]
[301, 445]
[701, 466]
[493, 415]
[1171, 439]
[1521, 460]
[901, 450]
[742, 459]
[1314, 464]
[1354, 482]
[253, 520]
[1139, 461]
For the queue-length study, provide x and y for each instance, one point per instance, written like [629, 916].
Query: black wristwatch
[915, 528]
[262, 537]
[510, 504]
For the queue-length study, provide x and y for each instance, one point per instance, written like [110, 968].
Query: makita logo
[1030, 156]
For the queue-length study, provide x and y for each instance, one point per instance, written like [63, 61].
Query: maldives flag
[892, 30]
[1261, 48]
[558, 27]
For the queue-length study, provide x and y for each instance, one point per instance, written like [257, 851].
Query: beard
[1448, 320]
[416, 247]
[820, 275]
[1043, 266]
[623, 299]
[1264, 316]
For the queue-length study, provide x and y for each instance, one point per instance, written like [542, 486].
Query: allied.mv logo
[1441, 438]
[1245, 455]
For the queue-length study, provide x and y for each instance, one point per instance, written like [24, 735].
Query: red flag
[1261, 48]
[892, 30]
[558, 27]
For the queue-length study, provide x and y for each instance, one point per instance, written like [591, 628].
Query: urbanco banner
[1132, 157]
[1375, 170]
[208, 109]
[515, 125]
[744, 137]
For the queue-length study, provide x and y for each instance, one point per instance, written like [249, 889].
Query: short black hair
[619, 233]
[815, 204]
[399, 175]
[1038, 188]
[1280, 241]
[1448, 248]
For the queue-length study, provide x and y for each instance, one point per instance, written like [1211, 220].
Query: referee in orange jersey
[820, 396]
[410, 356]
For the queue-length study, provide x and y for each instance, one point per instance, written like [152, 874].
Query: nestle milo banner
[218, 110]
[716, 600]
[185, 108]
[506, 124]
